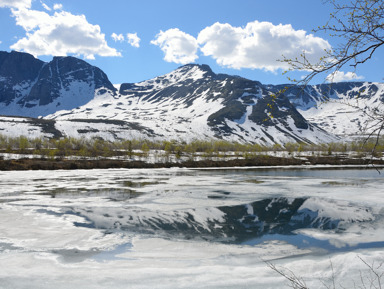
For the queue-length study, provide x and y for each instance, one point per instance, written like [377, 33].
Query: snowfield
[351, 112]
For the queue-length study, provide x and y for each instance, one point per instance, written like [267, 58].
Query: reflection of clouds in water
[337, 243]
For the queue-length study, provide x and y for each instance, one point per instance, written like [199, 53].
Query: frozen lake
[189, 228]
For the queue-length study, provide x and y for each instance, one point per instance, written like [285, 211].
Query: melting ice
[184, 228]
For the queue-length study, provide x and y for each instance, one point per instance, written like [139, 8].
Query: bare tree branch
[295, 281]
[369, 279]
[361, 24]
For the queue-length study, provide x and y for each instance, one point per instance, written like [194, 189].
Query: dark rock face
[260, 115]
[19, 66]
[307, 97]
[32, 82]
[16, 69]
[59, 73]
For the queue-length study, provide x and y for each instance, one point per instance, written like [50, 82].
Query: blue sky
[136, 40]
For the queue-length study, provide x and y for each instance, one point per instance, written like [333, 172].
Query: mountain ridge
[191, 102]
[31, 87]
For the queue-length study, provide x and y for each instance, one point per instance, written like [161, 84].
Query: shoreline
[258, 161]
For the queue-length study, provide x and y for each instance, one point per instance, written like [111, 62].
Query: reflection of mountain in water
[229, 223]
[271, 216]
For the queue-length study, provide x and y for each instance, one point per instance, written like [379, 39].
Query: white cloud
[178, 46]
[18, 4]
[31, 19]
[258, 45]
[339, 76]
[57, 6]
[117, 37]
[60, 34]
[133, 39]
[45, 6]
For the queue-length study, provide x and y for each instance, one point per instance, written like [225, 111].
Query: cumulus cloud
[178, 46]
[339, 76]
[57, 6]
[117, 37]
[45, 6]
[258, 45]
[18, 4]
[60, 34]
[133, 39]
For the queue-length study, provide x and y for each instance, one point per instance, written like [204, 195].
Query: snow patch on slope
[187, 72]
[350, 113]
[169, 119]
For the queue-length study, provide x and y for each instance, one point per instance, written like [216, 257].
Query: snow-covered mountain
[31, 87]
[344, 109]
[192, 102]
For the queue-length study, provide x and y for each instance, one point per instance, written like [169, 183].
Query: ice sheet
[89, 228]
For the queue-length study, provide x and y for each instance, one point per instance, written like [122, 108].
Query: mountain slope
[192, 102]
[344, 109]
[30, 87]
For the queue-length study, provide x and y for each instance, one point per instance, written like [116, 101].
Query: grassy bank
[68, 153]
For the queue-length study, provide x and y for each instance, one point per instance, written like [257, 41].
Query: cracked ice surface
[184, 228]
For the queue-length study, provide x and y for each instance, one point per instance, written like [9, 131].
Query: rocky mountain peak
[31, 87]
[183, 76]
[188, 73]
[196, 67]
